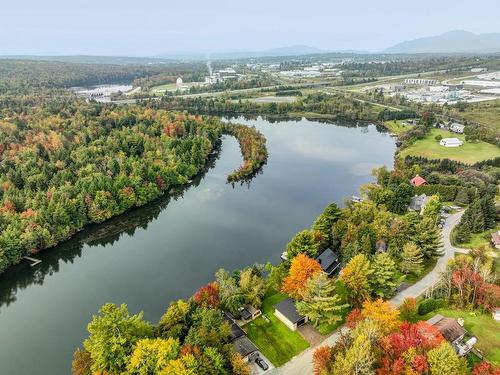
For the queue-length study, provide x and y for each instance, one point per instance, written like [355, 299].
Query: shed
[288, 314]
[329, 261]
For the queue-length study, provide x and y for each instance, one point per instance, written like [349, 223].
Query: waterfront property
[418, 203]
[329, 260]
[418, 181]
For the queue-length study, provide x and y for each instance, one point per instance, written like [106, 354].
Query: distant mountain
[458, 41]
[296, 50]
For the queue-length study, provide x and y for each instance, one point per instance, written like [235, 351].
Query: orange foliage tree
[301, 270]
[322, 359]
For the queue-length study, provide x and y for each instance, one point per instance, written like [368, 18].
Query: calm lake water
[166, 250]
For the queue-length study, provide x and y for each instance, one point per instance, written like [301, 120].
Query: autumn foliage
[322, 358]
[301, 270]
[208, 296]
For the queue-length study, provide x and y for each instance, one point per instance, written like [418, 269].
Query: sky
[157, 27]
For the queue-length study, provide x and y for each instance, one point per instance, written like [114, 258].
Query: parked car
[261, 363]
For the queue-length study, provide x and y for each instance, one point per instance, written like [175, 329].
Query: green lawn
[275, 340]
[397, 126]
[480, 325]
[479, 239]
[470, 152]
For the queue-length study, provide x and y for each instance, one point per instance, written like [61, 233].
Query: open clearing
[469, 153]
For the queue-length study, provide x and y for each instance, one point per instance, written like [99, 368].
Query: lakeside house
[240, 342]
[288, 314]
[495, 239]
[457, 128]
[249, 313]
[329, 261]
[418, 181]
[451, 142]
[418, 203]
[454, 332]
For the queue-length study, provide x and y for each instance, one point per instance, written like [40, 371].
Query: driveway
[302, 363]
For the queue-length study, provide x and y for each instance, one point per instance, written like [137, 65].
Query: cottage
[418, 181]
[453, 332]
[495, 239]
[236, 330]
[329, 261]
[451, 142]
[248, 312]
[418, 203]
[457, 128]
[288, 314]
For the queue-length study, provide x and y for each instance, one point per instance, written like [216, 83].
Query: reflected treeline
[274, 119]
[22, 275]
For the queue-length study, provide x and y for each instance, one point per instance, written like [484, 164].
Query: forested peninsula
[67, 164]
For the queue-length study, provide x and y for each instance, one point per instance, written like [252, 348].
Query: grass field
[469, 153]
[397, 126]
[478, 239]
[480, 325]
[274, 339]
[486, 113]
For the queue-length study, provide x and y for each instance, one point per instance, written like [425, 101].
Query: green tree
[231, 295]
[306, 241]
[384, 279]
[175, 322]
[358, 359]
[428, 238]
[321, 303]
[411, 259]
[252, 286]
[113, 334]
[208, 329]
[325, 221]
[355, 276]
[443, 360]
[401, 199]
[151, 356]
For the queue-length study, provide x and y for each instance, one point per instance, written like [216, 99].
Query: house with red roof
[418, 181]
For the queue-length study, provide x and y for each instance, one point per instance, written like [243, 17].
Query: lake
[167, 249]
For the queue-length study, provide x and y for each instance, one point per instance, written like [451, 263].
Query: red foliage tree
[485, 368]
[208, 296]
[353, 318]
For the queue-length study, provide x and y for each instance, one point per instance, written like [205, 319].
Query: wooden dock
[33, 261]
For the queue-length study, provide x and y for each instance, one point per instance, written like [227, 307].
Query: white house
[457, 128]
[451, 142]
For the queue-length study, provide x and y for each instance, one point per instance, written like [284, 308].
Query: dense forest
[63, 169]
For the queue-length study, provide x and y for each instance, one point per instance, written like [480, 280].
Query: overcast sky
[155, 27]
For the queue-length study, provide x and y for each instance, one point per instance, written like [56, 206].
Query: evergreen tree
[428, 238]
[462, 233]
[383, 279]
[489, 212]
[411, 259]
[320, 301]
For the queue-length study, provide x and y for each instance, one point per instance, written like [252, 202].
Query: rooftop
[328, 260]
[244, 346]
[417, 180]
[448, 327]
[287, 308]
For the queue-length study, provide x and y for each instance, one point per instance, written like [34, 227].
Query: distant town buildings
[421, 81]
